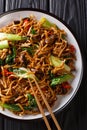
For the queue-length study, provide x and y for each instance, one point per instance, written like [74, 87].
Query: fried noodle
[34, 55]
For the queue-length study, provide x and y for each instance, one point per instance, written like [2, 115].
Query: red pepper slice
[6, 72]
[72, 48]
[25, 24]
[66, 85]
[27, 27]
[26, 21]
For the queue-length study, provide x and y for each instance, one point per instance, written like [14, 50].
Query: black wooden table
[74, 13]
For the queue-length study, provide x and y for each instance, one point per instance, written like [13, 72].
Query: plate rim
[73, 33]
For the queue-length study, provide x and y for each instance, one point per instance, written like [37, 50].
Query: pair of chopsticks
[47, 105]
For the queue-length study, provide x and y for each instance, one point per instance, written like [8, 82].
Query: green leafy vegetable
[27, 107]
[12, 37]
[30, 50]
[51, 75]
[4, 44]
[61, 79]
[1, 62]
[63, 36]
[15, 107]
[12, 107]
[31, 101]
[10, 58]
[33, 31]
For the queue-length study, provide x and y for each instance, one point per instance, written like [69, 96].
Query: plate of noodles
[36, 45]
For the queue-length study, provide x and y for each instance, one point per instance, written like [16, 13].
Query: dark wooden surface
[74, 13]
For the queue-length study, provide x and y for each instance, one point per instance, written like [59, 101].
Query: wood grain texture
[1, 122]
[2, 2]
[14, 4]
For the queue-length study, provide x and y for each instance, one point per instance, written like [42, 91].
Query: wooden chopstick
[48, 107]
[40, 107]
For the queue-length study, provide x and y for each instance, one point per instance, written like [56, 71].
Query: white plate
[62, 100]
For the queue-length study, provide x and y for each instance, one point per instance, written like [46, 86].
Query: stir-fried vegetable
[56, 62]
[33, 31]
[63, 36]
[1, 62]
[30, 50]
[12, 37]
[51, 75]
[31, 101]
[28, 107]
[45, 23]
[15, 107]
[23, 72]
[72, 48]
[10, 58]
[66, 85]
[6, 72]
[61, 79]
[11, 107]
[4, 44]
